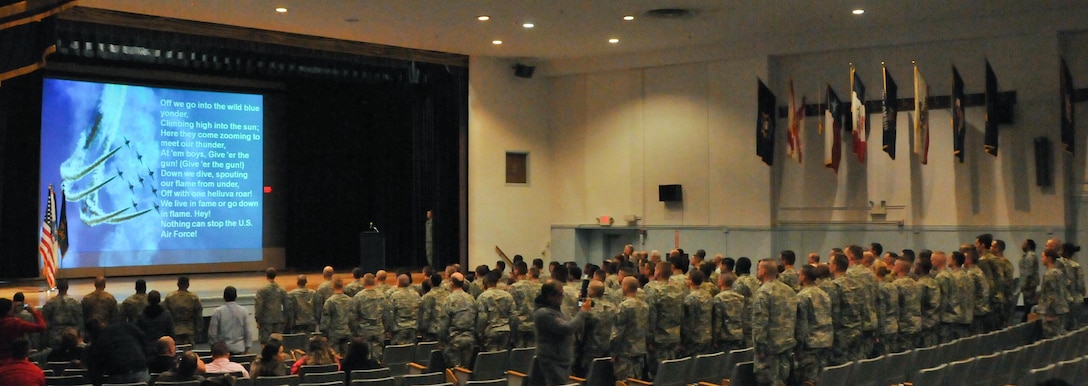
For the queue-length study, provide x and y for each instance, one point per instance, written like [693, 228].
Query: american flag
[47, 246]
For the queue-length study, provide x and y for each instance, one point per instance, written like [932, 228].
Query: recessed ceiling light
[528, 25]
[496, 42]
[629, 17]
[613, 40]
[483, 18]
[281, 9]
[858, 11]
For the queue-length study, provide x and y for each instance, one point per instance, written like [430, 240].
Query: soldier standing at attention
[774, 318]
[848, 310]
[597, 335]
[524, 291]
[629, 332]
[950, 301]
[188, 313]
[909, 305]
[888, 311]
[789, 276]
[430, 308]
[338, 317]
[965, 291]
[356, 285]
[494, 314]
[1053, 305]
[860, 272]
[404, 307]
[372, 315]
[99, 304]
[695, 331]
[930, 296]
[301, 302]
[727, 323]
[135, 304]
[270, 307]
[666, 302]
[323, 292]
[1029, 276]
[982, 284]
[61, 312]
[815, 332]
[457, 321]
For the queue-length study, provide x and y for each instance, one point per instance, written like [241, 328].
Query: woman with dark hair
[358, 358]
[69, 349]
[155, 321]
[318, 353]
[270, 363]
[190, 368]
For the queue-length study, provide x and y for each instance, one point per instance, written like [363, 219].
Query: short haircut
[369, 279]
[574, 273]
[840, 261]
[62, 284]
[701, 253]
[809, 272]
[876, 248]
[183, 282]
[270, 273]
[357, 273]
[435, 281]
[729, 263]
[789, 257]
[823, 271]
[154, 297]
[500, 264]
[551, 288]
[491, 279]
[854, 252]
[909, 254]
[141, 285]
[727, 280]
[219, 349]
[538, 262]
[696, 276]
[521, 268]
[301, 280]
[986, 239]
[337, 283]
[560, 273]
[958, 258]
[744, 265]
[230, 293]
[1030, 244]
[999, 244]
[534, 272]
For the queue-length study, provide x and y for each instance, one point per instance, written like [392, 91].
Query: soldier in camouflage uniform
[300, 303]
[848, 307]
[356, 285]
[404, 305]
[1006, 286]
[814, 332]
[322, 293]
[870, 290]
[494, 315]
[524, 291]
[909, 302]
[774, 318]
[628, 339]
[965, 291]
[728, 321]
[666, 302]
[930, 297]
[371, 316]
[475, 287]
[61, 312]
[338, 321]
[695, 331]
[457, 323]
[382, 282]
[1053, 305]
[270, 307]
[981, 285]
[597, 332]
[135, 304]
[1029, 275]
[572, 290]
[789, 276]
[430, 307]
[188, 313]
[888, 311]
[1074, 278]
[951, 297]
[100, 305]
[746, 285]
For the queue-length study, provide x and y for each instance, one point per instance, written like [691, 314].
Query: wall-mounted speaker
[1042, 162]
[523, 71]
[670, 193]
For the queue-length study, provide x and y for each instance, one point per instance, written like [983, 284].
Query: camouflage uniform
[60, 313]
[847, 295]
[791, 278]
[188, 314]
[910, 312]
[951, 305]
[869, 316]
[338, 321]
[524, 292]
[747, 285]
[569, 307]
[372, 314]
[474, 289]
[598, 331]
[1053, 303]
[404, 306]
[494, 317]
[99, 305]
[457, 321]
[612, 281]
[1008, 292]
[300, 302]
[930, 297]
[774, 318]
[614, 295]
[680, 280]
[995, 278]
[982, 299]
[666, 303]
[353, 288]
[629, 338]
[1074, 293]
[430, 308]
[965, 291]
[728, 321]
[132, 307]
[814, 333]
[270, 310]
[1029, 278]
[695, 331]
[321, 294]
[888, 327]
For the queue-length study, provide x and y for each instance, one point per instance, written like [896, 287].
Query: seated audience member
[17, 369]
[221, 363]
[190, 368]
[155, 320]
[163, 361]
[270, 363]
[116, 351]
[69, 348]
[358, 358]
[318, 353]
[12, 328]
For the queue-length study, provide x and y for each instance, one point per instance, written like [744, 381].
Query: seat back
[371, 374]
[183, 347]
[179, 383]
[422, 379]
[931, 376]
[65, 380]
[243, 358]
[281, 380]
[520, 359]
[600, 373]
[333, 383]
[492, 382]
[837, 375]
[490, 365]
[708, 368]
[423, 352]
[736, 356]
[387, 381]
[867, 372]
[743, 374]
[295, 342]
[331, 376]
[673, 372]
[985, 369]
[58, 367]
[398, 354]
[306, 369]
[896, 364]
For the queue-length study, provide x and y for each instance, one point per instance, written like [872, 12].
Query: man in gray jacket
[555, 333]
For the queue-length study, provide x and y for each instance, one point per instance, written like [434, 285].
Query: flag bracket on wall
[1005, 101]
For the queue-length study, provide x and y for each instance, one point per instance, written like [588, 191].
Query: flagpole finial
[913, 62]
[882, 63]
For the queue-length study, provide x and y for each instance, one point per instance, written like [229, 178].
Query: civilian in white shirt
[221, 363]
[230, 324]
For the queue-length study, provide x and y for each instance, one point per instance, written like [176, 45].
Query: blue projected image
[153, 176]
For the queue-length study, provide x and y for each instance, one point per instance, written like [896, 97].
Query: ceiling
[567, 29]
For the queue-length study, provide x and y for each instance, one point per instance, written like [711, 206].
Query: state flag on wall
[765, 124]
[832, 130]
[959, 122]
[1068, 122]
[859, 118]
[891, 99]
[921, 117]
[797, 125]
[990, 138]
